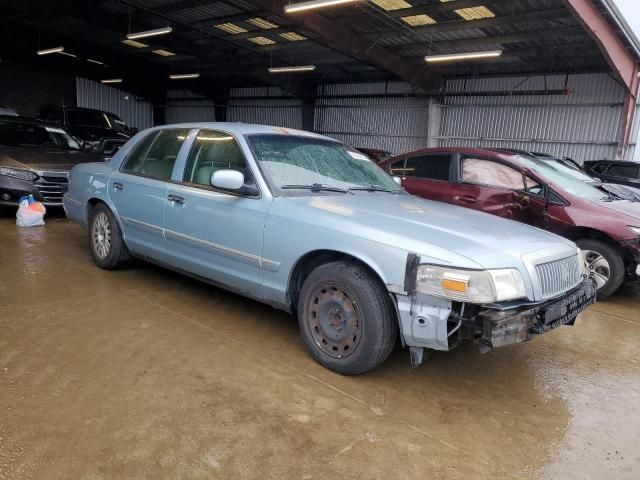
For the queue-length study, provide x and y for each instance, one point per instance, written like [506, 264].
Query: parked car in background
[375, 154]
[527, 189]
[615, 171]
[94, 129]
[309, 225]
[8, 111]
[35, 159]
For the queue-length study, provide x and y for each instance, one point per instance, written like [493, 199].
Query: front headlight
[635, 230]
[17, 173]
[474, 286]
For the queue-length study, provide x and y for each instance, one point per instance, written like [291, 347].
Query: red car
[526, 189]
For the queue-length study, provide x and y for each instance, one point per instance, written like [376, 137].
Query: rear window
[629, 171]
[23, 134]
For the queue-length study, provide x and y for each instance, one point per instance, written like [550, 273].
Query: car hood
[44, 159]
[624, 207]
[430, 229]
[94, 134]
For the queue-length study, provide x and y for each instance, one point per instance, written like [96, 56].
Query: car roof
[486, 152]
[618, 162]
[240, 128]
[21, 119]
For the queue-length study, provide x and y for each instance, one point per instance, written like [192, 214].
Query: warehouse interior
[146, 373]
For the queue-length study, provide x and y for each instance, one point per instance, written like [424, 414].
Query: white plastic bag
[26, 217]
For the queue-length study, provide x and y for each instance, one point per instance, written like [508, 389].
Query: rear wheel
[105, 239]
[605, 264]
[346, 318]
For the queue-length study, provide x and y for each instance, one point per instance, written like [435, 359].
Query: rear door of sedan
[214, 233]
[426, 175]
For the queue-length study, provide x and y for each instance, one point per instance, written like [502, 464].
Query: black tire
[116, 254]
[357, 301]
[615, 265]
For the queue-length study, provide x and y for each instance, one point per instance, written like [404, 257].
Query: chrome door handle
[175, 198]
[118, 186]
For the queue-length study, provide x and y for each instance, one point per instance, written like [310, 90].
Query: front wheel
[605, 265]
[346, 318]
[105, 239]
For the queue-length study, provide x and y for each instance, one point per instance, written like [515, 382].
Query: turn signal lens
[454, 285]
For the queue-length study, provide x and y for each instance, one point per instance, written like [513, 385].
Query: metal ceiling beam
[622, 62]
[345, 41]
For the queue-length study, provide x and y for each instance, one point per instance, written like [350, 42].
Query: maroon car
[526, 189]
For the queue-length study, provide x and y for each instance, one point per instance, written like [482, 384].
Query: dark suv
[615, 171]
[90, 127]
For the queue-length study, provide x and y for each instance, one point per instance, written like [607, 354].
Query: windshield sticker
[359, 156]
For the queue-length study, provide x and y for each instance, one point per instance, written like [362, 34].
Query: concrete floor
[144, 373]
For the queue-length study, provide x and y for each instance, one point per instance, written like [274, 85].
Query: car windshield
[561, 167]
[87, 118]
[297, 161]
[16, 134]
[551, 174]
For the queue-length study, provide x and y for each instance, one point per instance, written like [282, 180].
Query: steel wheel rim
[333, 319]
[101, 235]
[598, 267]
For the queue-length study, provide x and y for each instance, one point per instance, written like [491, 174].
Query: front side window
[600, 167]
[155, 155]
[431, 167]
[212, 151]
[493, 174]
[292, 162]
[628, 171]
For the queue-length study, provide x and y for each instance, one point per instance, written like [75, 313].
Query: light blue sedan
[313, 227]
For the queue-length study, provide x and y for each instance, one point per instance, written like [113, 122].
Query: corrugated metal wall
[277, 111]
[583, 124]
[186, 106]
[135, 113]
[396, 124]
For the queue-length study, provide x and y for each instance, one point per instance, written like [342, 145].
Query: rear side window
[493, 174]
[156, 154]
[629, 171]
[431, 167]
[397, 168]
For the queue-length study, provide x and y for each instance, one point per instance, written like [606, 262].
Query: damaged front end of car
[445, 307]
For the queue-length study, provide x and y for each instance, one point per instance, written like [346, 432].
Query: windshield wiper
[316, 187]
[374, 188]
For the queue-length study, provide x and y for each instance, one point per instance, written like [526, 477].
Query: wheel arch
[578, 233]
[313, 259]
[91, 204]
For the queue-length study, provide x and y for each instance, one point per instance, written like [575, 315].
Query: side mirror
[397, 179]
[227, 179]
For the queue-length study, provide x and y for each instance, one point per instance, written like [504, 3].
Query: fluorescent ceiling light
[111, 80]
[392, 4]
[298, 7]
[163, 53]
[47, 51]
[455, 57]
[133, 43]
[262, 23]
[215, 139]
[150, 33]
[68, 54]
[296, 69]
[91, 60]
[293, 36]
[261, 40]
[230, 28]
[180, 76]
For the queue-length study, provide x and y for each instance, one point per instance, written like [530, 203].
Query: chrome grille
[52, 187]
[558, 276]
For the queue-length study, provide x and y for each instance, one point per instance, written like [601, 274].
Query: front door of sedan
[138, 190]
[212, 233]
[492, 187]
[426, 175]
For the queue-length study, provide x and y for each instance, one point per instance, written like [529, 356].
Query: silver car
[313, 227]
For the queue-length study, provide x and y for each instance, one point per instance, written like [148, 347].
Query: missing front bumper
[504, 327]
